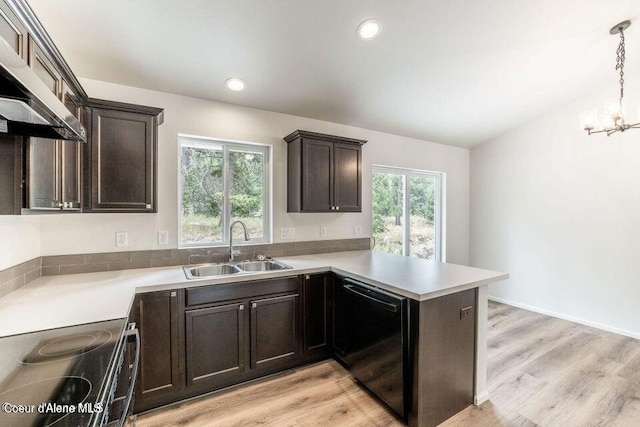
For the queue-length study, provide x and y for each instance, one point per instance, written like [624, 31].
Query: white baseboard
[480, 398]
[566, 317]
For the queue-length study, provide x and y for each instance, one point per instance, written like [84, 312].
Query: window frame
[227, 146]
[439, 198]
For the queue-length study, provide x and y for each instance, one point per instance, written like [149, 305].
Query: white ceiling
[458, 72]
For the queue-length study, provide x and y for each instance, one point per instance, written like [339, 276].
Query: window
[221, 182]
[407, 212]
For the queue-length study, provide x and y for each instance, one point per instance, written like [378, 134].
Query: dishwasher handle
[385, 304]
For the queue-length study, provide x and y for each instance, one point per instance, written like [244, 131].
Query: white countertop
[58, 301]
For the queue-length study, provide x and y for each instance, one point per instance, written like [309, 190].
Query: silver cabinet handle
[241, 307]
[337, 208]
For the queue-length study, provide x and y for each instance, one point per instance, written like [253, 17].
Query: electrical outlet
[122, 238]
[357, 231]
[323, 231]
[287, 233]
[163, 237]
[466, 312]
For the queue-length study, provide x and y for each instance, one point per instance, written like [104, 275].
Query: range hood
[27, 105]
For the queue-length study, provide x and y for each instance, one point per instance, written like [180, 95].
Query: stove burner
[61, 390]
[66, 347]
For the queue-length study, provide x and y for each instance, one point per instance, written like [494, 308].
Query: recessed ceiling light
[235, 83]
[369, 29]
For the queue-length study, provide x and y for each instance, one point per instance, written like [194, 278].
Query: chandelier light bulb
[607, 121]
[614, 107]
[589, 119]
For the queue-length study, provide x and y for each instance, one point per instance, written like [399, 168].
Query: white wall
[65, 234]
[19, 239]
[560, 212]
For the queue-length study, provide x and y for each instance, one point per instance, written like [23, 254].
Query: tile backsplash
[110, 261]
[19, 275]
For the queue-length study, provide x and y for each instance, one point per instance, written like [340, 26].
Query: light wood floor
[541, 371]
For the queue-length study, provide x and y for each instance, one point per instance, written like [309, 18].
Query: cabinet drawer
[232, 291]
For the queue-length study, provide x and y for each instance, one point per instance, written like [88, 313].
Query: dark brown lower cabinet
[442, 342]
[206, 338]
[275, 330]
[159, 373]
[215, 344]
[316, 290]
[339, 318]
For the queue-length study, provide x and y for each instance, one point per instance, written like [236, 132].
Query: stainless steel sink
[267, 265]
[208, 270]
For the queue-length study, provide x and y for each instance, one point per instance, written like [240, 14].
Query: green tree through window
[407, 226]
[220, 183]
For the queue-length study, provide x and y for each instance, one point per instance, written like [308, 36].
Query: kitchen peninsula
[442, 298]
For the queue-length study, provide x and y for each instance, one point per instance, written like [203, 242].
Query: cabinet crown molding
[125, 107]
[322, 136]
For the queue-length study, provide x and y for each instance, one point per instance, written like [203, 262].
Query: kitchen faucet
[246, 237]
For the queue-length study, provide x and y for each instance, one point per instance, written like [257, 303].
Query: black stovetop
[54, 377]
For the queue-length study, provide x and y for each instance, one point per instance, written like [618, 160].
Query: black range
[62, 376]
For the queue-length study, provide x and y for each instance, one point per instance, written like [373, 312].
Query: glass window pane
[246, 169]
[202, 188]
[422, 237]
[388, 212]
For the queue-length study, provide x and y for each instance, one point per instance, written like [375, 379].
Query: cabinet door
[12, 30]
[53, 171]
[43, 174]
[156, 315]
[347, 186]
[11, 169]
[44, 68]
[70, 172]
[122, 161]
[316, 297]
[215, 339]
[274, 331]
[70, 100]
[317, 175]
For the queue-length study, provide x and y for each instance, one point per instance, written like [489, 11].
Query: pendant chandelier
[613, 119]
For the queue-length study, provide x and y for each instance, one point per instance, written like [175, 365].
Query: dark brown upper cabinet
[53, 168]
[12, 30]
[53, 175]
[324, 173]
[121, 157]
[44, 68]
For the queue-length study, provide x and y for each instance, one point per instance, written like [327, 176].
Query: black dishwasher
[376, 341]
